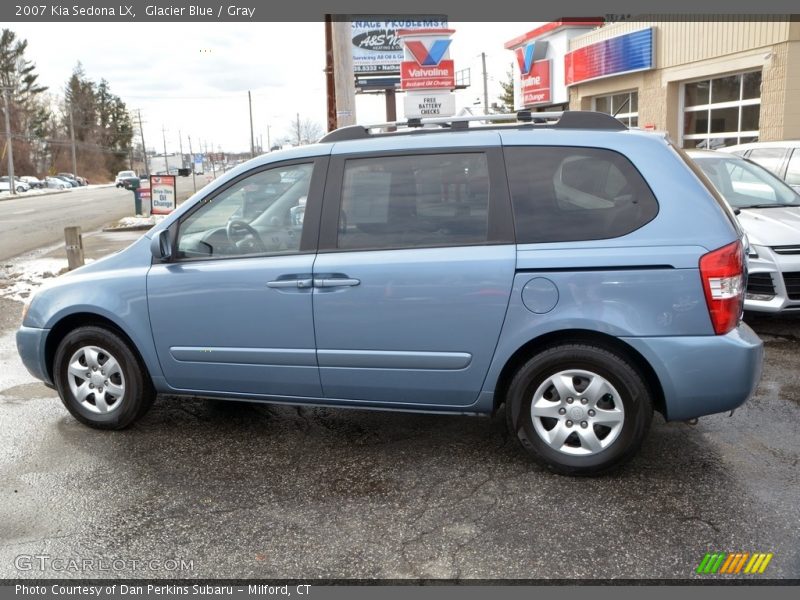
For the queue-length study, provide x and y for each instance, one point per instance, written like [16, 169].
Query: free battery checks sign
[162, 194]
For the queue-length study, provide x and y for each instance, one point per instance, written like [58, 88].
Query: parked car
[782, 158]
[57, 183]
[19, 185]
[79, 180]
[769, 212]
[577, 273]
[33, 182]
[122, 176]
[73, 182]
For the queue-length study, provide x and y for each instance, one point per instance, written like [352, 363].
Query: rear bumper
[703, 375]
[31, 348]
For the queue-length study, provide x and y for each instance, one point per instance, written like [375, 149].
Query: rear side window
[563, 194]
[769, 158]
[793, 171]
[414, 201]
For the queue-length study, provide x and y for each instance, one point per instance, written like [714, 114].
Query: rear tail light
[722, 272]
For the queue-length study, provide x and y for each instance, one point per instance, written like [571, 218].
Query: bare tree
[303, 131]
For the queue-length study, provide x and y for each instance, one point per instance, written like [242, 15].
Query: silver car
[782, 158]
[769, 212]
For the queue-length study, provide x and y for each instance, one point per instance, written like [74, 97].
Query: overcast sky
[194, 77]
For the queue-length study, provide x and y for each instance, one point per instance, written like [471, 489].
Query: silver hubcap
[577, 412]
[96, 380]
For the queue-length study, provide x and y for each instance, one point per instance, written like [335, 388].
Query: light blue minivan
[578, 273]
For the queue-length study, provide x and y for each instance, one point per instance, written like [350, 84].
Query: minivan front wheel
[100, 379]
[579, 408]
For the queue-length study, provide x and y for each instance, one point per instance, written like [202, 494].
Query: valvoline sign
[427, 64]
[414, 76]
[535, 84]
[528, 54]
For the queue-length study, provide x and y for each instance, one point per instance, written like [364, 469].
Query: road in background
[30, 222]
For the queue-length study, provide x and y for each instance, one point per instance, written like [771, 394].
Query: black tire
[138, 395]
[630, 390]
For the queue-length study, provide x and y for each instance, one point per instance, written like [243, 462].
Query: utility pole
[164, 139]
[191, 156]
[343, 73]
[298, 129]
[269, 145]
[330, 82]
[144, 148]
[485, 85]
[72, 141]
[211, 158]
[250, 104]
[180, 147]
[12, 186]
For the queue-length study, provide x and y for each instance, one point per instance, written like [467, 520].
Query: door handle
[336, 282]
[290, 283]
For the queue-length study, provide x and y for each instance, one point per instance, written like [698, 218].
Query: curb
[23, 195]
[131, 228]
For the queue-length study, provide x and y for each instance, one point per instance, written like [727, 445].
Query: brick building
[707, 81]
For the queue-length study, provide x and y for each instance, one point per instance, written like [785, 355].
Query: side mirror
[161, 246]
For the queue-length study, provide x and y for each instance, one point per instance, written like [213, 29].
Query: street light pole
[164, 139]
[191, 156]
[180, 147]
[485, 85]
[12, 187]
[72, 142]
[252, 145]
[144, 148]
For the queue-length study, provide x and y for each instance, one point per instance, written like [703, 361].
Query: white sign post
[427, 73]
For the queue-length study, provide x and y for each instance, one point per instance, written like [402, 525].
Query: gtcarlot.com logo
[734, 563]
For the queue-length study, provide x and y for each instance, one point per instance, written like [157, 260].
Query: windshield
[745, 184]
[126, 174]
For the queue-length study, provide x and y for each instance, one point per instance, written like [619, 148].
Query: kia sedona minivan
[576, 273]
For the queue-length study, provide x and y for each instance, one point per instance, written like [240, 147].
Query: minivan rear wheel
[100, 379]
[579, 409]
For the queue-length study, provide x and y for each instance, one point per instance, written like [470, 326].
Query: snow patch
[19, 279]
[137, 221]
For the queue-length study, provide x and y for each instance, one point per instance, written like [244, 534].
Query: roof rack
[569, 119]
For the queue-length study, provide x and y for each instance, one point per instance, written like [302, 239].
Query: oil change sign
[162, 194]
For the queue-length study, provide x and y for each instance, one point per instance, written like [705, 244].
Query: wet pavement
[222, 489]
[249, 490]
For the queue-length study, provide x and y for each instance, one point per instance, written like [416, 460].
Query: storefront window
[624, 105]
[696, 93]
[721, 111]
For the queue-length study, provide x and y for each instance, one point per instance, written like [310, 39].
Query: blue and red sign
[614, 56]
[427, 64]
[528, 54]
[428, 56]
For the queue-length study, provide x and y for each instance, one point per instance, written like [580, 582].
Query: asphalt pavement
[209, 489]
[31, 221]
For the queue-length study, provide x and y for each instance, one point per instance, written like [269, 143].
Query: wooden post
[343, 76]
[74, 240]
